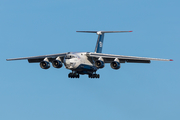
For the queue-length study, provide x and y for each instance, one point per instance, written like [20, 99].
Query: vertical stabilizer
[99, 44]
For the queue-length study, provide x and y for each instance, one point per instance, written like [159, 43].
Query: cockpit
[70, 56]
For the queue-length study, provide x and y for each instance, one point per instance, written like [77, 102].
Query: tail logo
[100, 44]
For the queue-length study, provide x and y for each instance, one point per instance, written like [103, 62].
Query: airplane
[81, 63]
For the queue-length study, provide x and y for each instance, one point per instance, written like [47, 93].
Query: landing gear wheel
[93, 75]
[98, 75]
[89, 75]
[73, 75]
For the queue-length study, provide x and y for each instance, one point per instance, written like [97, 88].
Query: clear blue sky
[134, 92]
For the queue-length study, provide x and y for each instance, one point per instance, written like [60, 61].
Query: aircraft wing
[35, 59]
[108, 58]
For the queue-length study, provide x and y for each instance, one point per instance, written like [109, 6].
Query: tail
[99, 44]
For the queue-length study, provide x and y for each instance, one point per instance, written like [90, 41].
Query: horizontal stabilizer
[99, 44]
[103, 31]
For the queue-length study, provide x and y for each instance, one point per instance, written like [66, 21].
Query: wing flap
[138, 61]
[35, 60]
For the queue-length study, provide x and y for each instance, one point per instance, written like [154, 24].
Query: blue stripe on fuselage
[83, 67]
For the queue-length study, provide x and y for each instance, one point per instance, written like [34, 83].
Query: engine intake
[99, 64]
[115, 65]
[57, 64]
[45, 65]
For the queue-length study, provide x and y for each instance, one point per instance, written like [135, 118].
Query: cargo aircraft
[81, 63]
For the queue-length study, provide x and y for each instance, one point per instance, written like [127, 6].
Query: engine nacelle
[99, 64]
[57, 64]
[115, 65]
[44, 65]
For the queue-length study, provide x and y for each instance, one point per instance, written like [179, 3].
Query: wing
[108, 58]
[35, 59]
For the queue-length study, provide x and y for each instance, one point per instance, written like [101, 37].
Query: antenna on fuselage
[99, 44]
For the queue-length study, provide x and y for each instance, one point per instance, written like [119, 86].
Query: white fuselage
[78, 62]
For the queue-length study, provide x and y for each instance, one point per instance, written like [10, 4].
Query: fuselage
[79, 62]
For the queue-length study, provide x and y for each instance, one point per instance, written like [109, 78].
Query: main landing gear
[73, 75]
[94, 75]
[76, 75]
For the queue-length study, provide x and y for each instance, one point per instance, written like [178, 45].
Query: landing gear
[94, 75]
[73, 75]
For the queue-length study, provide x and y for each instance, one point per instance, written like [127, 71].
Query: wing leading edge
[34, 59]
[133, 59]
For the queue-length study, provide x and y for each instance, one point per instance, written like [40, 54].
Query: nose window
[67, 57]
[70, 56]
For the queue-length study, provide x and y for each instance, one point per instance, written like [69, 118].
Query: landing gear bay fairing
[81, 63]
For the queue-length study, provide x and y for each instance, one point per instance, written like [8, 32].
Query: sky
[134, 92]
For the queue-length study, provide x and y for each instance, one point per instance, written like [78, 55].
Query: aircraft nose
[69, 64]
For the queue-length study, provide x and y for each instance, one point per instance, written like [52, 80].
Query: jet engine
[99, 64]
[115, 65]
[44, 65]
[57, 64]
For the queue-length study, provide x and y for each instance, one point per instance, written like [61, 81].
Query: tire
[98, 76]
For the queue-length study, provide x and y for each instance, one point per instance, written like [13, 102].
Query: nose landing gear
[73, 75]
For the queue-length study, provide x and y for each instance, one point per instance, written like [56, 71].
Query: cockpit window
[70, 56]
